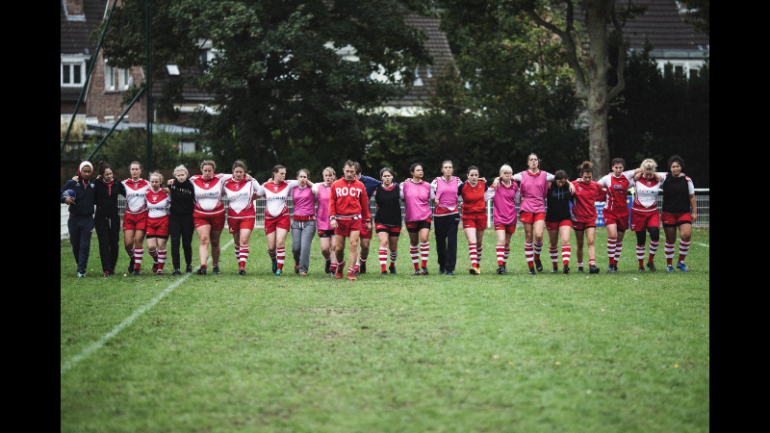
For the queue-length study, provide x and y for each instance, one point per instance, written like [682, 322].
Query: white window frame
[123, 77]
[70, 62]
[109, 72]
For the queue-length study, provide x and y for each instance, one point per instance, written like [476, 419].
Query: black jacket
[182, 198]
[106, 197]
[84, 197]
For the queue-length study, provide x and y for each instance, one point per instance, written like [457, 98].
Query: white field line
[92, 348]
[703, 245]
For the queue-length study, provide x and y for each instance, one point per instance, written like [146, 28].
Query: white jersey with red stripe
[136, 195]
[240, 197]
[617, 191]
[208, 194]
[646, 195]
[157, 203]
[276, 195]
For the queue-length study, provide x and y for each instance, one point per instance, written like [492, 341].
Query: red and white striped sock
[505, 256]
[161, 259]
[640, 254]
[424, 251]
[237, 249]
[393, 257]
[591, 262]
[566, 252]
[684, 246]
[554, 256]
[669, 249]
[351, 271]
[130, 252]
[280, 255]
[538, 249]
[611, 243]
[154, 254]
[528, 253]
[653, 249]
[500, 255]
[272, 255]
[474, 255]
[414, 251]
[478, 254]
[618, 250]
[580, 264]
[384, 259]
[138, 258]
[333, 266]
[243, 256]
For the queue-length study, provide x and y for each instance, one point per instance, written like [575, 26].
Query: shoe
[357, 273]
[669, 268]
[474, 270]
[610, 269]
[275, 266]
[202, 271]
[641, 268]
[137, 271]
[424, 270]
[539, 265]
[106, 274]
[500, 269]
[338, 273]
[532, 271]
[296, 269]
[441, 271]
[278, 272]
[505, 271]
[384, 273]
[328, 267]
[555, 270]
[159, 272]
[303, 274]
[450, 274]
[417, 272]
[216, 270]
[651, 266]
[565, 270]
[131, 267]
[352, 276]
[580, 270]
[593, 270]
[176, 272]
[154, 267]
[392, 269]
[241, 271]
[188, 270]
[682, 267]
[81, 275]
[362, 268]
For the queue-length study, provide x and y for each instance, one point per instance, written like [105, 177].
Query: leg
[393, 241]
[566, 250]
[138, 252]
[553, 250]
[500, 249]
[86, 226]
[619, 247]
[307, 243]
[175, 234]
[440, 234]
[579, 243]
[161, 254]
[339, 248]
[353, 243]
[128, 243]
[670, 242]
[591, 235]
[114, 239]
[529, 251]
[382, 237]
[280, 246]
[102, 234]
[243, 254]
[654, 242]
[74, 232]
[296, 242]
[470, 235]
[364, 250]
[188, 227]
[414, 249]
[612, 239]
[685, 232]
[538, 228]
[424, 249]
[451, 249]
[203, 243]
[215, 249]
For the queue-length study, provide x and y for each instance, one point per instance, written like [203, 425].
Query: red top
[347, 199]
[473, 198]
[584, 208]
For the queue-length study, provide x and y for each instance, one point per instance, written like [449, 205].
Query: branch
[621, 53]
[569, 44]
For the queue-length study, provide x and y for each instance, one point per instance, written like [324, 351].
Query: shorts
[620, 220]
[157, 227]
[416, 226]
[135, 221]
[238, 224]
[476, 220]
[675, 219]
[582, 226]
[365, 234]
[554, 225]
[390, 230]
[509, 228]
[217, 222]
[642, 220]
[282, 222]
[531, 217]
[344, 227]
[325, 233]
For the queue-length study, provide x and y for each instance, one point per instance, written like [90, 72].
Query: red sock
[528, 251]
[424, 251]
[415, 253]
[684, 246]
[500, 255]
[538, 247]
[554, 252]
[138, 258]
[618, 250]
[473, 254]
[383, 258]
[566, 252]
[669, 253]
[243, 256]
[161, 258]
[611, 243]
[280, 254]
[653, 249]
[640, 254]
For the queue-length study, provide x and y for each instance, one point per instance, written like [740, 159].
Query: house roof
[75, 35]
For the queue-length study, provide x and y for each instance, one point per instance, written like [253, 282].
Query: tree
[277, 83]
[698, 15]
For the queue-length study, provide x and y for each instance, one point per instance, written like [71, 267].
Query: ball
[69, 193]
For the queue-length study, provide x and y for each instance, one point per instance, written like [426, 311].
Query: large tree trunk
[598, 65]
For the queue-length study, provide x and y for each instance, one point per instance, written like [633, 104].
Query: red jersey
[617, 191]
[584, 207]
[473, 197]
[348, 200]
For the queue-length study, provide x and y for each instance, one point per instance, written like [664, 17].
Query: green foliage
[123, 147]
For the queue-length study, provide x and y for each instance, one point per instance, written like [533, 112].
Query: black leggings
[641, 235]
[181, 226]
[108, 233]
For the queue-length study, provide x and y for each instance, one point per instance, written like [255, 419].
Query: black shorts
[416, 226]
[391, 231]
[156, 236]
[325, 233]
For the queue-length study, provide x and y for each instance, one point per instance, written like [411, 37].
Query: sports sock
[383, 259]
[505, 256]
[272, 255]
[138, 258]
[414, 251]
[528, 253]
[684, 246]
[618, 249]
[500, 255]
[244, 255]
[280, 255]
[669, 252]
[161, 259]
[538, 249]
[472, 253]
[393, 257]
[653, 249]
[566, 252]
[611, 243]
[640, 254]
[237, 249]
[154, 254]
[591, 262]
[554, 256]
[130, 252]
[478, 252]
[580, 264]
[424, 251]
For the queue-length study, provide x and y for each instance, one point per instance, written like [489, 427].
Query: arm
[489, 193]
[433, 187]
[364, 200]
[517, 177]
[401, 191]
[69, 185]
[549, 177]
[333, 208]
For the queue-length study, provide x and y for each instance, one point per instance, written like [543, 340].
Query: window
[72, 73]
[123, 79]
[186, 147]
[417, 79]
[109, 119]
[109, 77]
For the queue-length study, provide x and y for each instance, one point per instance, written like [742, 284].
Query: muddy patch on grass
[334, 311]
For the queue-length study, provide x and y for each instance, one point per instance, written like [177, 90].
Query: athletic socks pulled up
[669, 249]
[653, 249]
[618, 249]
[538, 247]
[414, 251]
[500, 255]
[243, 255]
[566, 252]
[611, 244]
[138, 258]
[554, 252]
[528, 252]
[424, 251]
[684, 247]
[161, 259]
[640, 254]
[383, 259]
[474, 255]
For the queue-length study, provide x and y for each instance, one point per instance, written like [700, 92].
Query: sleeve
[600, 194]
[257, 188]
[486, 187]
[364, 199]
[690, 186]
[629, 174]
[332, 203]
[663, 174]
[69, 185]
[314, 189]
[605, 181]
[433, 187]
[401, 191]
[374, 193]
[292, 184]
[549, 177]
[370, 183]
[489, 194]
[517, 177]
[225, 177]
[460, 189]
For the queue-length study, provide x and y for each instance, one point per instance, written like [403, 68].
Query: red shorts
[620, 220]
[390, 230]
[344, 227]
[237, 224]
[476, 220]
[282, 222]
[217, 222]
[157, 227]
[531, 217]
[365, 234]
[642, 220]
[325, 233]
[675, 219]
[556, 224]
[416, 226]
[135, 221]
[509, 228]
[582, 226]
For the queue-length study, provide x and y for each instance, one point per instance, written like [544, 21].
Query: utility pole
[149, 90]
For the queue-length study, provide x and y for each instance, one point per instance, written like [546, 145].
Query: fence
[701, 201]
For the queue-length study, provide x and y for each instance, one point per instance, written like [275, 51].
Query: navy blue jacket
[369, 183]
[84, 197]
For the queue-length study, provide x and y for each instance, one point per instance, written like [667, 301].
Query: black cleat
[176, 272]
[188, 270]
[651, 265]
[137, 272]
[593, 270]
[424, 270]
[611, 269]
[555, 270]
[500, 269]
[216, 270]
[641, 268]
[565, 270]
[441, 271]
[328, 267]
[384, 273]
[580, 270]
[106, 274]
[505, 271]
[392, 269]
[202, 271]
[131, 266]
[532, 271]
[242, 272]
[417, 272]
[362, 268]
[539, 265]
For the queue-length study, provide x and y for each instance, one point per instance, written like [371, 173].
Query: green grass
[604, 353]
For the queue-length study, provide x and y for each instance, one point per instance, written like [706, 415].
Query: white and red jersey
[136, 193]
[646, 195]
[348, 200]
[208, 194]
[276, 195]
[240, 198]
[617, 191]
[157, 203]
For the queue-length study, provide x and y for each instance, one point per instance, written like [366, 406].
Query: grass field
[398, 353]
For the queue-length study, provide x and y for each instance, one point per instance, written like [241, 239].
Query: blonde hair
[334, 173]
[180, 168]
[648, 164]
[156, 173]
[208, 162]
[506, 169]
